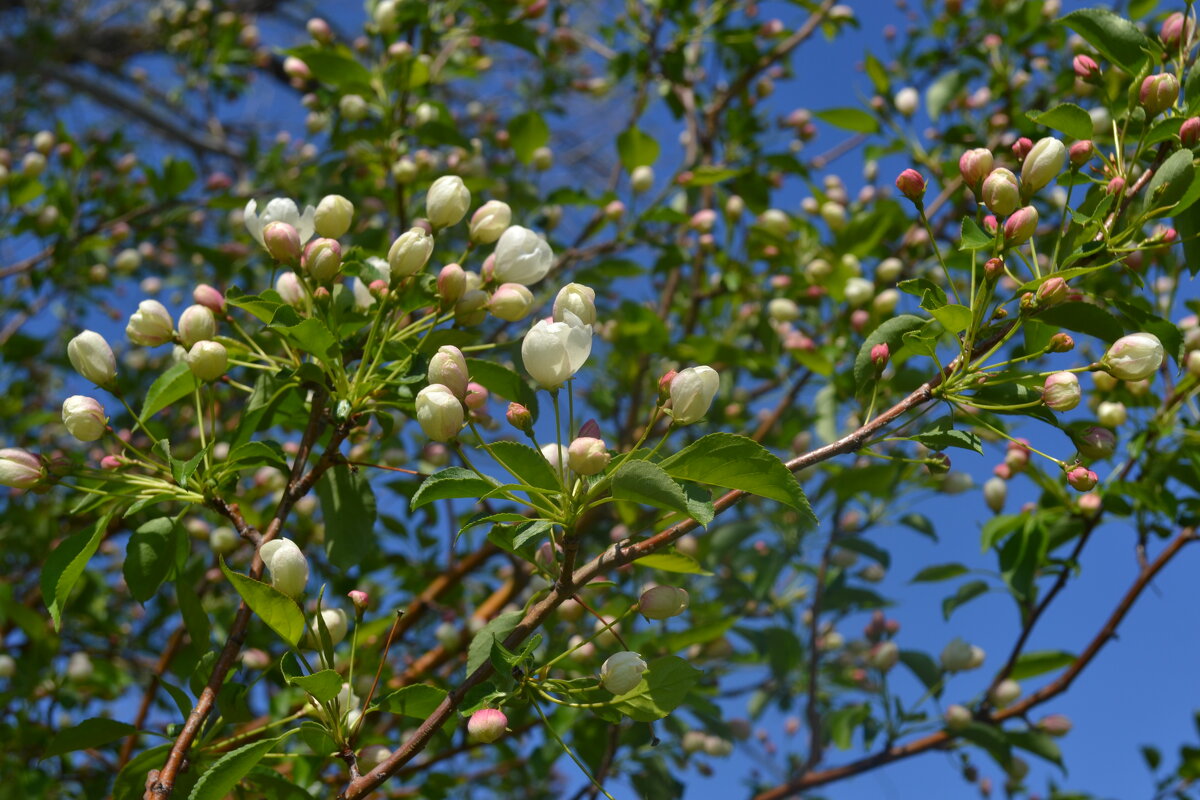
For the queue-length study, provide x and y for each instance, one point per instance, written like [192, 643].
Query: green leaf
[348, 508]
[418, 701]
[1020, 558]
[954, 318]
[526, 465]
[939, 572]
[256, 454]
[335, 66]
[93, 732]
[1084, 318]
[1038, 662]
[943, 91]
[996, 528]
[450, 484]
[941, 434]
[66, 564]
[967, 592]
[665, 684]
[648, 484]
[175, 384]
[323, 686]
[991, 739]
[219, 780]
[151, 555]
[890, 332]
[672, 562]
[731, 461]
[1038, 743]
[1117, 39]
[636, 149]
[312, 336]
[973, 238]
[925, 668]
[500, 380]
[528, 132]
[480, 649]
[707, 175]
[878, 74]
[1170, 182]
[851, 119]
[1187, 223]
[279, 611]
[1065, 118]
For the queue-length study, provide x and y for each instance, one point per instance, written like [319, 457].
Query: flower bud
[522, 257]
[1096, 442]
[449, 368]
[621, 672]
[906, 101]
[195, 324]
[519, 417]
[335, 622]
[993, 268]
[8, 666]
[92, 358]
[1189, 132]
[703, 220]
[20, 469]
[912, 185]
[451, 283]
[1086, 68]
[1134, 357]
[223, 540]
[439, 412]
[735, 206]
[781, 309]
[322, 259]
[360, 599]
[150, 325]
[1021, 147]
[1060, 343]
[588, 456]
[974, 165]
[282, 242]
[289, 289]
[542, 159]
[995, 492]
[84, 418]
[1158, 93]
[959, 656]
[1115, 186]
[287, 566]
[578, 299]
[353, 107]
[1005, 693]
[1082, 478]
[1001, 192]
[207, 360]
[209, 297]
[555, 455]
[487, 725]
[1042, 165]
[1111, 414]
[879, 356]
[553, 352]
[1081, 152]
[489, 221]
[471, 308]
[410, 253]
[511, 302]
[641, 179]
[1061, 391]
[1192, 362]
[957, 717]
[333, 216]
[858, 291]
[663, 602]
[1055, 724]
[79, 667]
[692, 392]
[1020, 226]
[1176, 30]
[884, 655]
[33, 164]
[296, 69]
[447, 201]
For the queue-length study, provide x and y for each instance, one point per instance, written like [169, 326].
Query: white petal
[306, 225]
[282, 209]
[253, 222]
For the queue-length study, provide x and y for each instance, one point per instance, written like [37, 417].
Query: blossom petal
[253, 222]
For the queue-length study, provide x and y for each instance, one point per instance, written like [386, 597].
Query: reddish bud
[1176, 30]
[664, 384]
[1158, 93]
[519, 417]
[360, 599]
[879, 356]
[912, 185]
[1080, 152]
[1021, 147]
[1051, 293]
[1189, 133]
[1082, 479]
[1060, 343]
[993, 269]
[1086, 68]
[1115, 186]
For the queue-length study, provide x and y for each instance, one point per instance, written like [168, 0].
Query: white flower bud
[84, 417]
[580, 300]
[907, 100]
[207, 360]
[79, 667]
[958, 656]
[1134, 357]
[995, 492]
[489, 221]
[588, 455]
[1061, 391]
[621, 672]
[511, 302]
[287, 566]
[223, 540]
[447, 201]
[885, 302]
[92, 358]
[289, 288]
[333, 216]
[410, 253]
[335, 622]
[1111, 414]
[1005, 693]
[352, 107]
[8, 666]
[522, 256]
[554, 351]
[692, 392]
[957, 717]
[663, 602]
[556, 455]
[858, 291]
[781, 309]
[1042, 164]
[641, 179]
[449, 368]
[487, 725]
[889, 270]
[439, 412]
[150, 325]
[20, 469]
[196, 323]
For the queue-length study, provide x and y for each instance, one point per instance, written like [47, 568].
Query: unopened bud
[487, 725]
[663, 602]
[1158, 93]
[995, 492]
[323, 259]
[1020, 226]
[1005, 693]
[1081, 152]
[208, 360]
[1055, 724]
[1001, 192]
[974, 165]
[1042, 164]
[912, 185]
[588, 456]
[1096, 442]
[957, 717]
[1189, 132]
[451, 283]
[1051, 293]
[282, 242]
[209, 297]
[519, 417]
[1082, 479]
[1086, 68]
[360, 599]
[879, 356]
[1060, 343]
[993, 268]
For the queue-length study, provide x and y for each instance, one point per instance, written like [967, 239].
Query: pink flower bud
[451, 283]
[1082, 479]
[282, 241]
[975, 166]
[487, 725]
[111, 462]
[519, 417]
[1096, 442]
[20, 469]
[322, 259]
[1005, 693]
[360, 599]
[1001, 192]
[1189, 133]
[1051, 293]
[448, 367]
[1020, 226]
[588, 456]
[993, 269]
[1090, 504]
[209, 297]
[1158, 93]
[1176, 30]
[879, 356]
[296, 69]
[663, 602]
[664, 384]
[1021, 147]
[1055, 724]
[1086, 68]
[1115, 186]
[476, 397]
[703, 220]
[911, 184]
[1060, 343]
[1061, 391]
[1081, 152]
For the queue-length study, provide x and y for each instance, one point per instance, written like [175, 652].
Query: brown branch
[160, 669]
[943, 739]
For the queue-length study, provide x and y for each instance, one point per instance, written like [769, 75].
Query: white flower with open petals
[554, 351]
[281, 209]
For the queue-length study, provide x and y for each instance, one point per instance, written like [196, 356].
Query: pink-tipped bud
[282, 241]
[1096, 442]
[1115, 186]
[296, 69]
[1051, 293]
[703, 220]
[1055, 724]
[1086, 68]
[519, 417]
[1176, 30]
[1021, 147]
[911, 184]
[360, 599]
[588, 456]
[993, 268]
[112, 462]
[319, 29]
[451, 283]
[1090, 504]
[1061, 391]
[1081, 152]
[1001, 192]
[614, 210]
[1020, 226]
[663, 602]
[975, 166]
[20, 469]
[487, 725]
[664, 384]
[477, 396]
[1060, 343]
[209, 297]
[1158, 93]
[879, 356]
[1189, 133]
[1082, 479]
[957, 717]
[990, 224]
